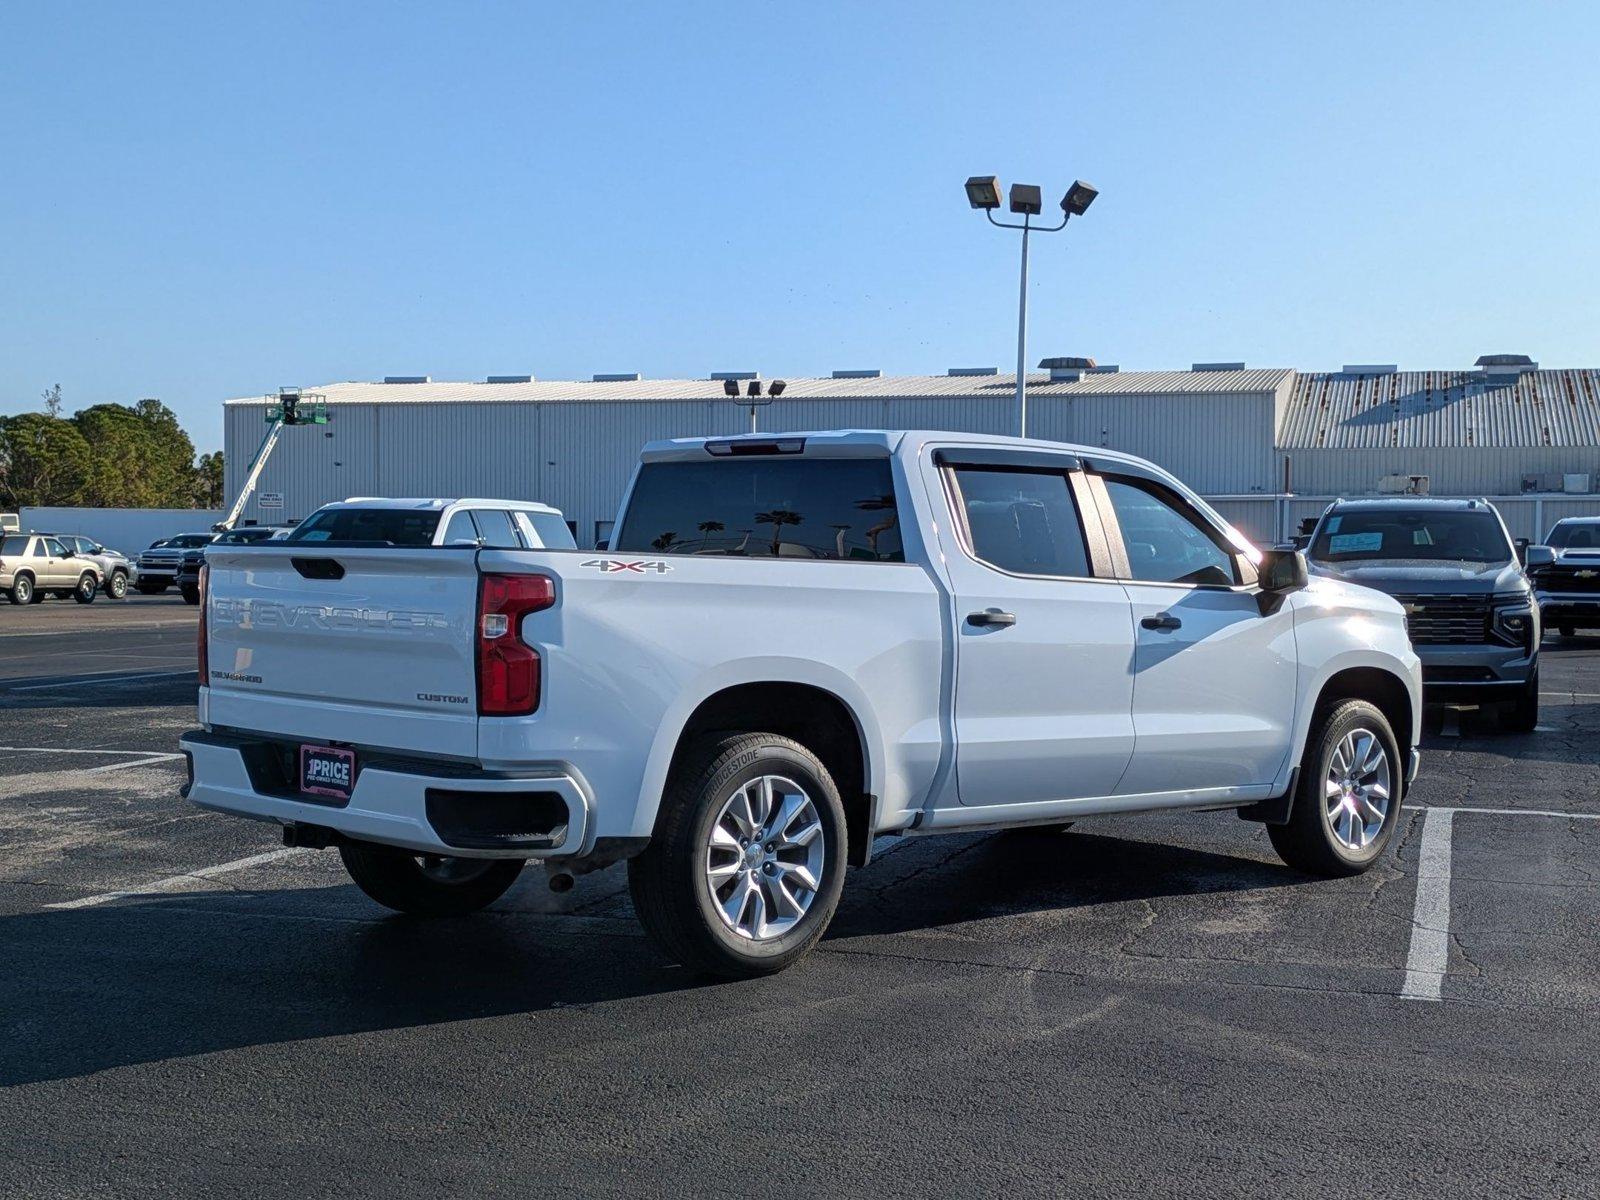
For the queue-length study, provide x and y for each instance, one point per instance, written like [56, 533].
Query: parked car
[33, 566]
[188, 575]
[1469, 606]
[794, 644]
[1565, 571]
[158, 566]
[112, 566]
[505, 524]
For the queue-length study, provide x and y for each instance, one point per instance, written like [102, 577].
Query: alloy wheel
[765, 857]
[1358, 789]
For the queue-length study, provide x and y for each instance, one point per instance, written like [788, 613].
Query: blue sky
[212, 200]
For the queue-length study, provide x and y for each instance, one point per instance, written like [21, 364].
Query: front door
[1044, 651]
[1214, 678]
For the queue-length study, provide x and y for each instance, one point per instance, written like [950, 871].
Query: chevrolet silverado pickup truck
[1565, 571]
[795, 643]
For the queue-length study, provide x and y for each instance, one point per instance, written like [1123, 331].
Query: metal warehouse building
[1233, 434]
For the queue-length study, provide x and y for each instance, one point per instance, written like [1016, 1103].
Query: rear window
[546, 529]
[765, 508]
[394, 526]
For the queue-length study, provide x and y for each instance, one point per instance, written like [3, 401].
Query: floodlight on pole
[983, 192]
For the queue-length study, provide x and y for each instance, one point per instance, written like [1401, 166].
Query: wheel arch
[1380, 687]
[818, 716]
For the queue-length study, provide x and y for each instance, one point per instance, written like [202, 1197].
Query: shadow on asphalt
[169, 977]
[86, 694]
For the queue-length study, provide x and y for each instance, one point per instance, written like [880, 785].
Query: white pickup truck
[796, 643]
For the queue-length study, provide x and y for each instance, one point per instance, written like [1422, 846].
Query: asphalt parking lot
[1143, 1006]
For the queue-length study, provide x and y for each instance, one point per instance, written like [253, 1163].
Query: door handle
[1161, 621]
[991, 617]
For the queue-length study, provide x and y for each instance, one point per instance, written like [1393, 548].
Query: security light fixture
[1026, 199]
[1078, 198]
[775, 388]
[754, 389]
[730, 388]
[983, 191]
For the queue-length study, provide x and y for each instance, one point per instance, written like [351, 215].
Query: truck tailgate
[367, 645]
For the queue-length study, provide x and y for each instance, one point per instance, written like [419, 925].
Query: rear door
[1214, 686]
[1044, 650]
[366, 645]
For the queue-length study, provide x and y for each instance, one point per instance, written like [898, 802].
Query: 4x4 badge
[610, 566]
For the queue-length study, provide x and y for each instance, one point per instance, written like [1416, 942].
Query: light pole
[983, 191]
[730, 388]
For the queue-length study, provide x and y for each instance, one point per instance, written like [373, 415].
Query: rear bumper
[448, 810]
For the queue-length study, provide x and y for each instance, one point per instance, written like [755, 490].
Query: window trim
[1096, 546]
[1145, 481]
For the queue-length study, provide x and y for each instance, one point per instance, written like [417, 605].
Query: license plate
[327, 771]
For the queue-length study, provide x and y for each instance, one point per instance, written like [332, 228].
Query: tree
[46, 461]
[208, 481]
[52, 400]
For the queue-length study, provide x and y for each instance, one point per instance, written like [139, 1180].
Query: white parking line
[108, 677]
[174, 882]
[1429, 958]
[143, 762]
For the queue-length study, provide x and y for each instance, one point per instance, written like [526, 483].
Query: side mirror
[1538, 556]
[603, 544]
[65, 553]
[1282, 571]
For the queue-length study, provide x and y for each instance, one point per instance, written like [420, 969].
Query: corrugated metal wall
[578, 456]
[1455, 471]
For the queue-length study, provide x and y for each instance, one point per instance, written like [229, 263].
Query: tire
[1522, 714]
[88, 588]
[191, 593]
[117, 587]
[721, 927]
[21, 591]
[1321, 836]
[428, 885]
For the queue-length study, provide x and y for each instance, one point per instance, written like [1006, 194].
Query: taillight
[200, 638]
[508, 668]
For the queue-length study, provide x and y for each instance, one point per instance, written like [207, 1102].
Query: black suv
[1469, 606]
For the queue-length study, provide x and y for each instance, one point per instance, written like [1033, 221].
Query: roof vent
[1369, 369]
[868, 373]
[408, 379]
[973, 371]
[1506, 364]
[1066, 370]
[1108, 369]
[509, 379]
[619, 377]
[736, 375]
[1221, 366]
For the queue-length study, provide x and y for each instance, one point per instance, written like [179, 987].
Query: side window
[460, 531]
[1163, 541]
[55, 548]
[40, 550]
[494, 527]
[546, 530]
[1024, 522]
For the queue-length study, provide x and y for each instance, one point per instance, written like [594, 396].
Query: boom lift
[291, 408]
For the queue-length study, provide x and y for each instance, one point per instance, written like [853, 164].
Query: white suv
[33, 566]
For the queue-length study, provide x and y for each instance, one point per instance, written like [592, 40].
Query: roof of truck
[415, 502]
[1428, 502]
[889, 440]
